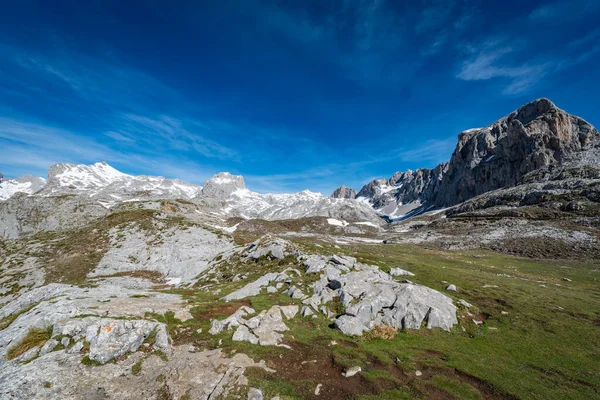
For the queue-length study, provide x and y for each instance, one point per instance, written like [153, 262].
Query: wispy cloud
[493, 63]
[433, 150]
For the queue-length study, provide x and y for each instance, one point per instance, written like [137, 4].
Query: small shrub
[382, 332]
[35, 337]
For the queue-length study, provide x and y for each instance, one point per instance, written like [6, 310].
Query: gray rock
[314, 264]
[28, 355]
[65, 341]
[451, 288]
[77, 347]
[255, 394]
[48, 346]
[350, 325]
[113, 338]
[307, 311]
[400, 272]
[289, 312]
[343, 260]
[464, 303]
[271, 289]
[242, 334]
[254, 288]
[352, 371]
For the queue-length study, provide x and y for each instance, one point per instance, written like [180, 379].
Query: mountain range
[507, 153]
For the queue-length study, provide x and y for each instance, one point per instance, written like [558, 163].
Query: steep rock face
[500, 155]
[344, 192]
[404, 191]
[421, 185]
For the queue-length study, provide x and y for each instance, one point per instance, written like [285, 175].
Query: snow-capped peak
[26, 184]
[84, 177]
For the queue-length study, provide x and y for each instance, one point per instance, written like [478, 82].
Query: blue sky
[291, 94]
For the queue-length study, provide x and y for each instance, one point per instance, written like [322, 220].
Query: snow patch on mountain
[26, 184]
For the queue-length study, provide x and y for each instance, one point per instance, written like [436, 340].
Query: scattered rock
[418, 373]
[400, 272]
[255, 394]
[242, 334]
[451, 288]
[464, 303]
[318, 389]
[352, 371]
[307, 311]
[567, 280]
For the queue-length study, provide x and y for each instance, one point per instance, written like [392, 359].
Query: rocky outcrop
[265, 328]
[344, 192]
[536, 135]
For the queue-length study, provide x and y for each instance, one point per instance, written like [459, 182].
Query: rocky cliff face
[535, 137]
[499, 155]
[344, 192]
[404, 191]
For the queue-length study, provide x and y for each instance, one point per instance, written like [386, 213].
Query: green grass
[547, 346]
[137, 368]
[35, 337]
[86, 360]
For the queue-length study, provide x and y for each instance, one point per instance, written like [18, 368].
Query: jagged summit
[222, 185]
[344, 192]
[499, 155]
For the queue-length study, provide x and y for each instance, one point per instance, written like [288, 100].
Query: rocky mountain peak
[535, 135]
[222, 185]
[344, 192]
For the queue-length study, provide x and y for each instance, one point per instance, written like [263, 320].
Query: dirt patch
[219, 310]
[491, 304]
[318, 364]
[153, 276]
